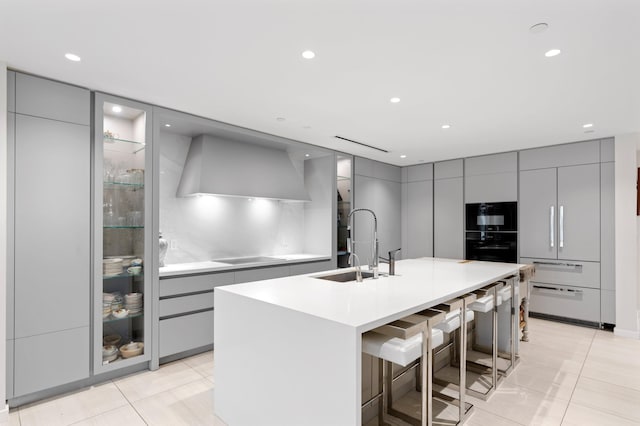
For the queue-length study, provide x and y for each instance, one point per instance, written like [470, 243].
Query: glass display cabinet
[122, 212]
[344, 167]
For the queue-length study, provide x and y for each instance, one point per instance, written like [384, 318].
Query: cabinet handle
[568, 265]
[551, 220]
[568, 291]
[561, 226]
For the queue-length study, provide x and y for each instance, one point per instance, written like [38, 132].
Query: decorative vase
[162, 245]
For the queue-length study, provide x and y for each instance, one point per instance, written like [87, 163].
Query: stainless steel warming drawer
[565, 301]
[566, 272]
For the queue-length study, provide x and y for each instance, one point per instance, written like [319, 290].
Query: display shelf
[114, 140]
[122, 185]
[122, 275]
[122, 227]
[111, 319]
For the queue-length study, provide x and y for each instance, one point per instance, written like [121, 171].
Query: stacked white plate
[112, 266]
[133, 303]
[126, 259]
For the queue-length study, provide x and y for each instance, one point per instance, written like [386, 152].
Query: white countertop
[212, 266]
[418, 284]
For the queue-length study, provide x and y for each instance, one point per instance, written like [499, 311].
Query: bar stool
[456, 319]
[403, 342]
[488, 300]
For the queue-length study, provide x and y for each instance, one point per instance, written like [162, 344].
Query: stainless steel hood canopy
[223, 167]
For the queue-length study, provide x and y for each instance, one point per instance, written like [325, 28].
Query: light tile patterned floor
[568, 375]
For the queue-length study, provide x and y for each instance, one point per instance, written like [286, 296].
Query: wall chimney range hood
[224, 167]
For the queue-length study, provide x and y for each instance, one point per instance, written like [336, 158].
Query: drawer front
[308, 268]
[187, 332]
[180, 305]
[259, 274]
[564, 301]
[194, 283]
[573, 273]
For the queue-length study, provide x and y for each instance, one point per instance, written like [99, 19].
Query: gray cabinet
[560, 155]
[560, 213]
[418, 213]
[11, 91]
[172, 336]
[52, 214]
[448, 209]
[448, 218]
[382, 194]
[257, 274]
[607, 225]
[579, 212]
[48, 360]
[491, 178]
[40, 97]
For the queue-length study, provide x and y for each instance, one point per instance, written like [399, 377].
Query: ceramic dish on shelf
[131, 349]
[120, 313]
[109, 353]
[126, 259]
[111, 340]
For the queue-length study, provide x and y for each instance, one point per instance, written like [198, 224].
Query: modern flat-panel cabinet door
[579, 212]
[448, 229]
[538, 214]
[52, 230]
[419, 220]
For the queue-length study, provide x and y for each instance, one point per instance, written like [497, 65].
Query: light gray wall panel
[387, 172]
[404, 219]
[448, 223]
[608, 306]
[607, 226]
[51, 359]
[560, 155]
[419, 172]
[52, 206]
[404, 174]
[9, 371]
[448, 169]
[419, 241]
[489, 164]
[11, 91]
[259, 274]
[607, 150]
[491, 187]
[49, 99]
[10, 228]
[173, 338]
[363, 167]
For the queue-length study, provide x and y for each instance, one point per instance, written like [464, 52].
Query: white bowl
[120, 313]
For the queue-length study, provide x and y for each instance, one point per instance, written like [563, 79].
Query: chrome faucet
[358, 267]
[374, 241]
[391, 261]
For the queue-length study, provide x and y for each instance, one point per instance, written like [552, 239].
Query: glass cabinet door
[122, 175]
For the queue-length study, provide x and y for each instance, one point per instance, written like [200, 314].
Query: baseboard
[4, 414]
[631, 334]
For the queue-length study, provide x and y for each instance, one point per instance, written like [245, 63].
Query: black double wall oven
[492, 232]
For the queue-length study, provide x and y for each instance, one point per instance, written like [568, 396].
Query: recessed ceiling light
[551, 53]
[167, 125]
[307, 155]
[538, 28]
[394, 100]
[72, 57]
[308, 54]
[280, 118]
[446, 126]
[403, 156]
[586, 126]
[116, 109]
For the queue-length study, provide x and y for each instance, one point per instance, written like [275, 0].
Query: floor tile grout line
[130, 403]
[608, 413]
[609, 383]
[498, 415]
[579, 376]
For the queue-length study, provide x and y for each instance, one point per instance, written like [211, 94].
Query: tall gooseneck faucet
[374, 240]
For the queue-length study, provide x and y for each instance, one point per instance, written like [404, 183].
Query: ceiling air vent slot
[360, 143]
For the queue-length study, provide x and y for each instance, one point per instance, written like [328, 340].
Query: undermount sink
[243, 260]
[344, 277]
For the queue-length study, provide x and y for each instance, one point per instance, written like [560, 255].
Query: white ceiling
[469, 63]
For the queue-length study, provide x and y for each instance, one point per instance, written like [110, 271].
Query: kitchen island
[288, 350]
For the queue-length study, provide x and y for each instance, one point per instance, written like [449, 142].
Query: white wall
[627, 285]
[3, 241]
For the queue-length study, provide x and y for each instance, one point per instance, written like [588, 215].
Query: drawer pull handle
[568, 265]
[557, 289]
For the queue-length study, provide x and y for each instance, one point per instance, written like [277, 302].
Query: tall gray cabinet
[417, 211]
[560, 227]
[448, 211]
[50, 234]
